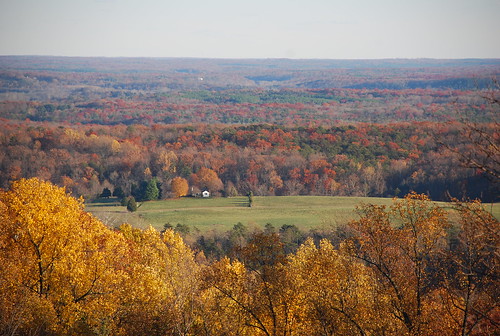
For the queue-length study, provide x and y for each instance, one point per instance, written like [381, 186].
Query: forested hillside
[352, 160]
[273, 127]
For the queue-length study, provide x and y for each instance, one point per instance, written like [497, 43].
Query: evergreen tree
[131, 204]
[152, 192]
[118, 192]
[106, 193]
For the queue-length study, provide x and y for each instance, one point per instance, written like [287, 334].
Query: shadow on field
[105, 202]
[240, 203]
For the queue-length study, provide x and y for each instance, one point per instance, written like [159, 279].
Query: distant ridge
[56, 63]
[394, 74]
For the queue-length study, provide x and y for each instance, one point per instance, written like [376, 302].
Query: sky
[325, 29]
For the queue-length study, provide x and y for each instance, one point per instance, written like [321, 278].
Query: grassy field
[221, 214]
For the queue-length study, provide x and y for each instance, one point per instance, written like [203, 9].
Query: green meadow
[221, 214]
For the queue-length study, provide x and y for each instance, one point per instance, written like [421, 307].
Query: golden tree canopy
[56, 261]
[179, 187]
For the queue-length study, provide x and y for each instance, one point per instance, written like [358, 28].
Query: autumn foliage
[409, 269]
[60, 266]
[344, 160]
[180, 186]
[273, 127]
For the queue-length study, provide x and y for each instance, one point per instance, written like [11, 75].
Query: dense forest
[273, 127]
[352, 160]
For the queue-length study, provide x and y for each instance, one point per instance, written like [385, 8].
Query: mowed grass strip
[221, 214]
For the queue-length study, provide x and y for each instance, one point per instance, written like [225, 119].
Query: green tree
[131, 204]
[152, 192]
[269, 228]
[106, 193]
[250, 199]
[238, 235]
[118, 192]
[291, 237]
[182, 229]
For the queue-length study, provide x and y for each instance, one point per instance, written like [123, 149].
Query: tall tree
[474, 272]
[398, 244]
[208, 178]
[131, 204]
[337, 293]
[258, 287]
[163, 283]
[179, 187]
[151, 192]
[58, 264]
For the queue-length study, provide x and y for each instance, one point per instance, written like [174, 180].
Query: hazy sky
[252, 28]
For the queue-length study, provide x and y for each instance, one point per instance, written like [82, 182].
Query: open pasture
[221, 214]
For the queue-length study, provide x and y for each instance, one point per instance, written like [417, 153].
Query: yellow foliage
[55, 255]
[179, 186]
[162, 281]
[224, 299]
[62, 272]
[115, 146]
[72, 134]
[166, 161]
[397, 244]
[337, 292]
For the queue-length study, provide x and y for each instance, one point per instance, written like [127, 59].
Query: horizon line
[259, 58]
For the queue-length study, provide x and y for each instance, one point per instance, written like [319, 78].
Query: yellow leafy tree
[224, 301]
[258, 288]
[57, 269]
[472, 294]
[179, 186]
[163, 282]
[399, 244]
[164, 163]
[337, 293]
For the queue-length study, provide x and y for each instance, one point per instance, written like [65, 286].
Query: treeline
[351, 160]
[409, 269]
